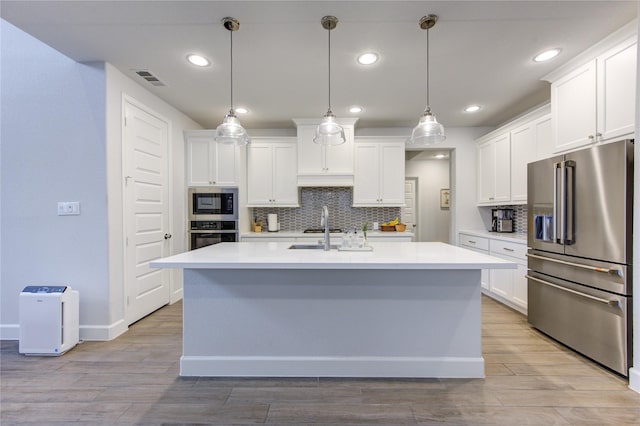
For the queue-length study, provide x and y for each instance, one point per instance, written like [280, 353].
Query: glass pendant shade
[428, 131]
[329, 132]
[231, 131]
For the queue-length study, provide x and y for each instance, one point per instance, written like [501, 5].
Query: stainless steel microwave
[213, 203]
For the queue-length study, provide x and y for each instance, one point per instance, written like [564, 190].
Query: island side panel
[332, 323]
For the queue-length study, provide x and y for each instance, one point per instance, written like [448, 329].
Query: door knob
[167, 236]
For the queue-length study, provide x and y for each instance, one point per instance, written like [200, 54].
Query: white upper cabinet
[573, 110]
[523, 150]
[320, 165]
[503, 156]
[593, 96]
[617, 90]
[494, 174]
[271, 173]
[379, 173]
[210, 163]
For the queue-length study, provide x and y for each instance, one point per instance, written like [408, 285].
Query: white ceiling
[480, 53]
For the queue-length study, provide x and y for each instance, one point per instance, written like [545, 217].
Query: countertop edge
[513, 237]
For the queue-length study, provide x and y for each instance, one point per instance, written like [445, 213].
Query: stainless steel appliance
[502, 220]
[213, 216]
[204, 233]
[580, 238]
[213, 203]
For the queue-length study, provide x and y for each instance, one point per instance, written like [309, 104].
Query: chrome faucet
[324, 221]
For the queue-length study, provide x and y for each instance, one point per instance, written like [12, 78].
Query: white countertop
[300, 234]
[274, 255]
[514, 237]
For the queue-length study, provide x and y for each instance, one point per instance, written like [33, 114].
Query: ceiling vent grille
[150, 78]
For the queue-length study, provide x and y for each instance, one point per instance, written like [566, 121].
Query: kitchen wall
[341, 214]
[61, 141]
[433, 175]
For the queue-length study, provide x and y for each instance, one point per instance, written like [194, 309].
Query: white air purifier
[49, 320]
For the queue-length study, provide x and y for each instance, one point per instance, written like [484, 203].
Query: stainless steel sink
[311, 247]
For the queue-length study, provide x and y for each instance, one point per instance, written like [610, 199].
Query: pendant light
[428, 131]
[231, 131]
[329, 132]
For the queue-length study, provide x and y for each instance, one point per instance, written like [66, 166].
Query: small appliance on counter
[502, 220]
[272, 222]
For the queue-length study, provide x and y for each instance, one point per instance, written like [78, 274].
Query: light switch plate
[68, 208]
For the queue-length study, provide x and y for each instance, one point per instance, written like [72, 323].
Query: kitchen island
[263, 309]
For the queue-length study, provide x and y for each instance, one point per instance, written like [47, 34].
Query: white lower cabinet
[480, 245]
[508, 286]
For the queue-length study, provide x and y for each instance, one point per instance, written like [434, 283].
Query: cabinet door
[520, 286]
[366, 189]
[259, 174]
[573, 108]
[392, 174]
[285, 188]
[523, 150]
[544, 141]
[310, 155]
[486, 172]
[226, 164]
[617, 91]
[339, 158]
[502, 168]
[200, 156]
[501, 282]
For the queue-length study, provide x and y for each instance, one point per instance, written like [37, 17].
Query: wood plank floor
[134, 380]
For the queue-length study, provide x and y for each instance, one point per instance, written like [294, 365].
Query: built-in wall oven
[213, 216]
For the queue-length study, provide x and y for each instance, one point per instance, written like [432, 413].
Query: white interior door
[410, 210]
[146, 211]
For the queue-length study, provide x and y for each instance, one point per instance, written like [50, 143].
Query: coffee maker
[502, 220]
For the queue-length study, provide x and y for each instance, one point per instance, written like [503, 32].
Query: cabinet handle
[591, 137]
[491, 198]
[507, 249]
[167, 236]
[471, 241]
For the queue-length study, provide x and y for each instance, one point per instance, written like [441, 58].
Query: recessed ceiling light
[439, 156]
[198, 60]
[368, 58]
[472, 108]
[355, 109]
[241, 110]
[546, 55]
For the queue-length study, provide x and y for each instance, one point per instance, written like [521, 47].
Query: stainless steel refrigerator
[579, 274]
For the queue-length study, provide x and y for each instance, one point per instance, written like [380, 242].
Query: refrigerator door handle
[611, 271]
[570, 202]
[558, 216]
[568, 290]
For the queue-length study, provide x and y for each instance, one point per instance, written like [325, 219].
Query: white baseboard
[87, 332]
[253, 366]
[634, 379]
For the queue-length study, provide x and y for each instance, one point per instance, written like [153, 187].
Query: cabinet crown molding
[624, 33]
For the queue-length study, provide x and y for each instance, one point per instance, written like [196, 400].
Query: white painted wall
[53, 149]
[433, 175]
[118, 84]
[461, 141]
[61, 141]
[634, 372]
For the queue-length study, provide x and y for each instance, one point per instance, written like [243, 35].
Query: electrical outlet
[376, 226]
[68, 208]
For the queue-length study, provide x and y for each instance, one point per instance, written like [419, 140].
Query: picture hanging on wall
[444, 198]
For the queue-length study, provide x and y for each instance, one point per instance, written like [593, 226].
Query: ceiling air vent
[152, 79]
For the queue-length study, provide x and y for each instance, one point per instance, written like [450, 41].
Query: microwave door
[545, 205]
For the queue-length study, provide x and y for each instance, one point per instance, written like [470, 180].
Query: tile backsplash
[519, 216]
[341, 214]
